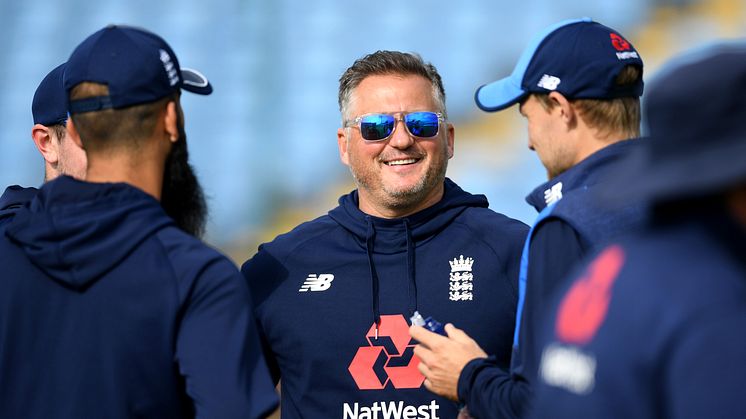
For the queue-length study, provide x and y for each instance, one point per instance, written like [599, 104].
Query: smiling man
[334, 296]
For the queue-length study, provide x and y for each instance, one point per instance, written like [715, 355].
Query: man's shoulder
[300, 235]
[681, 265]
[189, 256]
[486, 221]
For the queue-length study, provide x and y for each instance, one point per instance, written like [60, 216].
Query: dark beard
[182, 197]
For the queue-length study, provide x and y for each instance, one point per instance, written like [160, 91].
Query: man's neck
[140, 170]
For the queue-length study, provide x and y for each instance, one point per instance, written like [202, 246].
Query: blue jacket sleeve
[491, 392]
[217, 347]
[488, 390]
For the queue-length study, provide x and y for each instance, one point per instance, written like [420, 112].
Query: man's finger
[456, 333]
[424, 370]
[424, 336]
[423, 353]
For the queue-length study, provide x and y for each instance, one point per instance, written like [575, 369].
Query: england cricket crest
[461, 280]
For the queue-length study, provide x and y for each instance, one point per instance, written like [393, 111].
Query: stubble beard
[407, 197]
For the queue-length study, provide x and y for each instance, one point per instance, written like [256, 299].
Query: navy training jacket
[652, 328]
[320, 290]
[574, 220]
[109, 310]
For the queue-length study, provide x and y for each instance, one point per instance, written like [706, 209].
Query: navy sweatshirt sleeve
[491, 392]
[263, 273]
[217, 347]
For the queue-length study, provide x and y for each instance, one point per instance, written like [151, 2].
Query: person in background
[61, 155]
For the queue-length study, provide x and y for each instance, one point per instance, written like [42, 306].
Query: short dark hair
[389, 62]
[114, 128]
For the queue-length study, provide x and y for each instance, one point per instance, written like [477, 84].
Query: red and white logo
[619, 43]
[388, 359]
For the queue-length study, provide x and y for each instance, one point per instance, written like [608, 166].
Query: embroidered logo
[553, 194]
[619, 43]
[549, 82]
[388, 358]
[315, 282]
[168, 65]
[461, 279]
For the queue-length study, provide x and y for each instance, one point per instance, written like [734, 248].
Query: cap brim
[500, 94]
[195, 82]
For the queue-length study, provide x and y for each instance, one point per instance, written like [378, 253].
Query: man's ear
[171, 121]
[451, 133]
[567, 111]
[72, 132]
[48, 148]
[342, 143]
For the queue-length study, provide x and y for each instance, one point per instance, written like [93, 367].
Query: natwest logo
[390, 358]
[391, 410]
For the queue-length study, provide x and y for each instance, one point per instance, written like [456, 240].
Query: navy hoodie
[12, 200]
[333, 299]
[654, 328]
[109, 310]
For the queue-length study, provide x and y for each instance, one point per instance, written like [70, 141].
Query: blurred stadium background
[264, 144]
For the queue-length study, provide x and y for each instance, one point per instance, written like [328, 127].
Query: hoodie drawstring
[410, 270]
[369, 239]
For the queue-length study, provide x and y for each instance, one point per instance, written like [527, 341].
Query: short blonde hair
[609, 115]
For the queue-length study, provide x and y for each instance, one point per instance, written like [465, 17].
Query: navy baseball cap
[138, 67]
[49, 106]
[579, 58]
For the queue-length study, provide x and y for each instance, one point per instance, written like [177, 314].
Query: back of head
[118, 80]
[387, 63]
[590, 64]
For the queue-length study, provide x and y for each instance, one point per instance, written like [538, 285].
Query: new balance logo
[317, 282]
[553, 194]
[549, 82]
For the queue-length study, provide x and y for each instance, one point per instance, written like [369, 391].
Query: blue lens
[376, 127]
[422, 124]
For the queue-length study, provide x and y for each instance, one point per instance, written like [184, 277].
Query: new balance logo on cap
[549, 82]
[315, 282]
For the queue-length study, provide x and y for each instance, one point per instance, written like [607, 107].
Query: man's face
[402, 174]
[182, 197]
[545, 136]
[71, 159]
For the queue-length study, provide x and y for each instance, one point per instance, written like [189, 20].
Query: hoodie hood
[76, 231]
[13, 199]
[398, 235]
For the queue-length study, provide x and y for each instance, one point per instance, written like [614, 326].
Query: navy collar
[582, 175]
